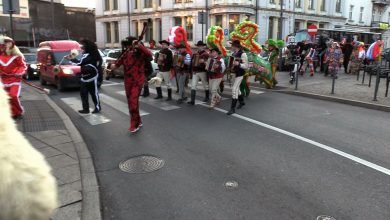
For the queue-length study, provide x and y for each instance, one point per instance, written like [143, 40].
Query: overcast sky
[80, 3]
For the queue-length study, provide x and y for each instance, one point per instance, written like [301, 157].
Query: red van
[56, 70]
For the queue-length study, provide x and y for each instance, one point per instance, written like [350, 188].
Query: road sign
[312, 30]
[11, 6]
[226, 32]
[201, 17]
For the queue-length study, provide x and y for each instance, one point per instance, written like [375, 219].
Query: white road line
[109, 83]
[93, 119]
[118, 105]
[317, 144]
[155, 103]
[174, 95]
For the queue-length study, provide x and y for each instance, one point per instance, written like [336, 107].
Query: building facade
[116, 19]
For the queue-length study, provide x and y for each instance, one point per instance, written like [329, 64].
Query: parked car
[113, 55]
[386, 54]
[32, 68]
[27, 49]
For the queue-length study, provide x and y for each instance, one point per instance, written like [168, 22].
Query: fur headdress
[13, 50]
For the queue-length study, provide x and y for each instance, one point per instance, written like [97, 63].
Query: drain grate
[39, 116]
[231, 184]
[325, 217]
[141, 164]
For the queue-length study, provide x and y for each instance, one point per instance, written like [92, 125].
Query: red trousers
[13, 91]
[133, 89]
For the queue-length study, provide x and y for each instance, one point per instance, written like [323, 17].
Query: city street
[280, 157]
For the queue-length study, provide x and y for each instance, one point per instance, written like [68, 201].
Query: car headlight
[67, 71]
[33, 66]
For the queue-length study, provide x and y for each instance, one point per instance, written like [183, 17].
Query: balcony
[381, 3]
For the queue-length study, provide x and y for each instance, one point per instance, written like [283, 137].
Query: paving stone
[67, 195]
[74, 185]
[38, 144]
[49, 151]
[61, 161]
[67, 148]
[45, 134]
[71, 212]
[57, 140]
[68, 174]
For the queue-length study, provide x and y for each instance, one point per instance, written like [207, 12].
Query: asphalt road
[280, 175]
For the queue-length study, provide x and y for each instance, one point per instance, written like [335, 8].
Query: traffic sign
[226, 32]
[11, 6]
[312, 30]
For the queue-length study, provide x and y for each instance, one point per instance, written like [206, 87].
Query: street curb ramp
[90, 209]
[337, 99]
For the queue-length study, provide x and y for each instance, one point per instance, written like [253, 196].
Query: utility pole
[11, 22]
[52, 16]
[281, 21]
[207, 15]
[257, 11]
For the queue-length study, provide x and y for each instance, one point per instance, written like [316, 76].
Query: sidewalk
[347, 89]
[52, 133]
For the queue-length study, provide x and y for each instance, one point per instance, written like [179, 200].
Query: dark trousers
[91, 88]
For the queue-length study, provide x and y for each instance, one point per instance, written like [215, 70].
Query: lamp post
[281, 20]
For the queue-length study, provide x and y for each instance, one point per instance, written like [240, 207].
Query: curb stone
[90, 190]
[339, 100]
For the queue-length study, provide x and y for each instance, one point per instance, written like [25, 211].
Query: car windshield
[59, 55]
[30, 57]
[114, 54]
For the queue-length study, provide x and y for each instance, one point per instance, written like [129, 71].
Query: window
[189, 27]
[297, 26]
[159, 29]
[361, 14]
[234, 19]
[108, 32]
[270, 27]
[350, 12]
[106, 5]
[272, 1]
[135, 3]
[183, 1]
[178, 21]
[159, 2]
[218, 20]
[311, 5]
[321, 25]
[136, 33]
[323, 5]
[115, 4]
[338, 6]
[298, 3]
[149, 32]
[148, 3]
[116, 32]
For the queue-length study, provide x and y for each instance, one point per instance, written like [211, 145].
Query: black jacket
[90, 67]
[168, 62]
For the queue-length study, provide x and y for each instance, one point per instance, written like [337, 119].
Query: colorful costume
[273, 56]
[311, 58]
[164, 60]
[215, 67]
[12, 67]
[357, 58]
[133, 61]
[334, 57]
[182, 67]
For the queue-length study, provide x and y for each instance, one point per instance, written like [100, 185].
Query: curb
[90, 190]
[339, 100]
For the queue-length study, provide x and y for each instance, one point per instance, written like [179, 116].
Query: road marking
[118, 105]
[174, 95]
[93, 119]
[110, 83]
[155, 103]
[317, 144]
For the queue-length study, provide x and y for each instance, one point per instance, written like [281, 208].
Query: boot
[193, 94]
[146, 91]
[207, 97]
[159, 93]
[241, 101]
[169, 98]
[233, 107]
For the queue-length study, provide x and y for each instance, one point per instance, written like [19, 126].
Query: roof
[61, 45]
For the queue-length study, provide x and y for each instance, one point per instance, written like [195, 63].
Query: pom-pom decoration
[215, 39]
[178, 36]
[246, 32]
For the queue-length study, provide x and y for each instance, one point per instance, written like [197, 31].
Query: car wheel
[43, 82]
[60, 85]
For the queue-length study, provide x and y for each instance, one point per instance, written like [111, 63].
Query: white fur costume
[28, 190]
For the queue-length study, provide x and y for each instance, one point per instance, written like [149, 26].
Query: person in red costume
[133, 59]
[12, 68]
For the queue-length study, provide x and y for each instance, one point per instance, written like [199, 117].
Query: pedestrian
[148, 74]
[311, 58]
[133, 59]
[273, 58]
[199, 72]
[238, 64]
[12, 68]
[334, 58]
[90, 63]
[357, 58]
[182, 67]
[346, 48]
[215, 66]
[164, 61]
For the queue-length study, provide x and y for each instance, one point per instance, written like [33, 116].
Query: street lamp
[281, 20]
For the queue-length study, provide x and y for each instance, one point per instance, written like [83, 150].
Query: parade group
[210, 64]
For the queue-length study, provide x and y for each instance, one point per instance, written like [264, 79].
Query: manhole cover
[231, 184]
[324, 217]
[141, 164]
